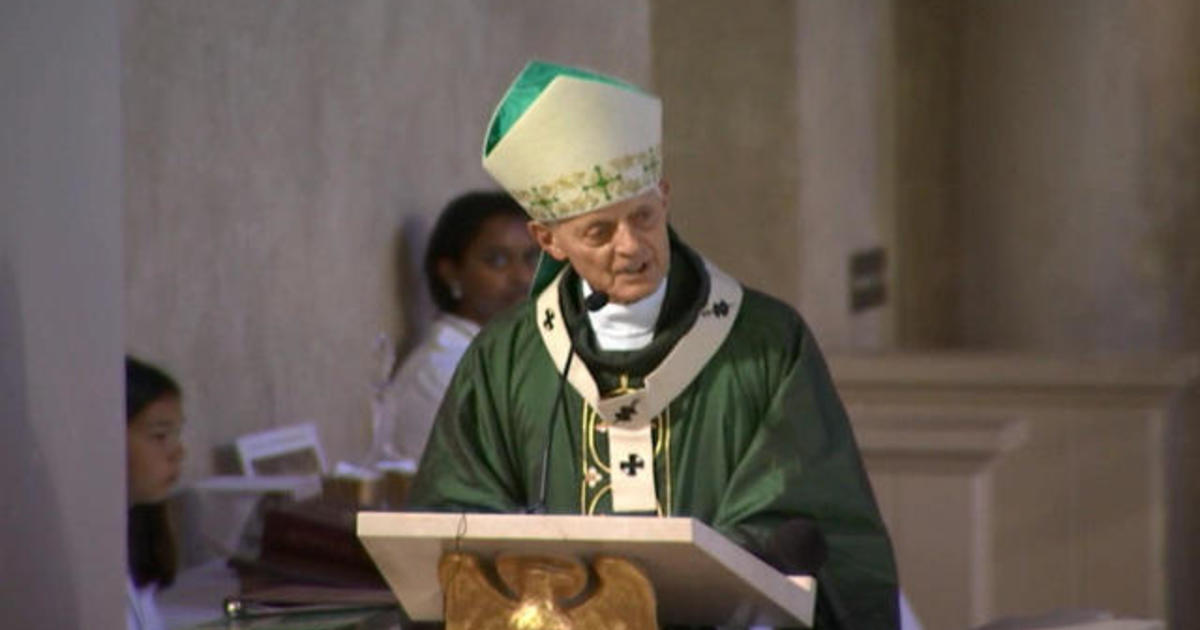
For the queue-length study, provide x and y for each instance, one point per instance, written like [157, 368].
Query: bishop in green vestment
[686, 395]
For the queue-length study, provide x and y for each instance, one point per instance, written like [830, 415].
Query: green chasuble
[755, 438]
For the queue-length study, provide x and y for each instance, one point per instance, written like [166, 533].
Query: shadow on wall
[32, 536]
[1183, 461]
[411, 297]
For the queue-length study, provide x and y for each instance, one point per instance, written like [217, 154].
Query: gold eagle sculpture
[549, 594]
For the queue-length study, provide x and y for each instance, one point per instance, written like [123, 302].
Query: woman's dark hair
[145, 384]
[150, 537]
[455, 230]
[151, 541]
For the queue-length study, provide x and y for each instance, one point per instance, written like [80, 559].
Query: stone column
[728, 83]
[1078, 180]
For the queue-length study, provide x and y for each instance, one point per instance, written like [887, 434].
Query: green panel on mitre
[547, 271]
[527, 87]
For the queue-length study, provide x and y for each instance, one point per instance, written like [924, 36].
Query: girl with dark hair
[480, 261]
[153, 421]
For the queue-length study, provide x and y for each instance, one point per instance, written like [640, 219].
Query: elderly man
[641, 378]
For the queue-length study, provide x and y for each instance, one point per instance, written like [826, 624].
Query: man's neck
[626, 326]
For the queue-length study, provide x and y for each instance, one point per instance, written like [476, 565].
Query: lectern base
[551, 593]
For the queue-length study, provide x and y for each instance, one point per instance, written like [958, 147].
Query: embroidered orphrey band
[594, 478]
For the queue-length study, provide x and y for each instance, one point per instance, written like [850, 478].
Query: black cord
[593, 302]
[560, 403]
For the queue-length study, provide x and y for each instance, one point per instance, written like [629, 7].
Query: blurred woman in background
[479, 262]
[154, 453]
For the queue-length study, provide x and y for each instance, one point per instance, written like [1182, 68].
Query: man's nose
[625, 242]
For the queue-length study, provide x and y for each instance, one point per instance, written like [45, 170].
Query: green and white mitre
[565, 141]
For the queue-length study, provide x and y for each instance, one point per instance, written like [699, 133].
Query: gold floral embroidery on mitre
[582, 191]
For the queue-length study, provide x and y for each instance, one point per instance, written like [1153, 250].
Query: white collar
[626, 326]
[462, 325]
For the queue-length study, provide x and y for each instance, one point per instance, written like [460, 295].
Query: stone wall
[282, 158]
[62, 417]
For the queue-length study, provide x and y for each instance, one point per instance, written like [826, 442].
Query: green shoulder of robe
[757, 438]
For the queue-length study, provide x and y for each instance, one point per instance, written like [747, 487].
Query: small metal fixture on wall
[868, 279]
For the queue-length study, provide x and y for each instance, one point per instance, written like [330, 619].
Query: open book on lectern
[699, 576]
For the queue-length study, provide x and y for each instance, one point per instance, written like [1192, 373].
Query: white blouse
[141, 611]
[414, 396]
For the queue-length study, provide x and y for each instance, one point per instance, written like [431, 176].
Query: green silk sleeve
[803, 462]
[467, 463]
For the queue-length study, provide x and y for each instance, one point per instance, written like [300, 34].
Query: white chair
[290, 450]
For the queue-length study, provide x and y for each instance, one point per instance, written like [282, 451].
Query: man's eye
[496, 260]
[598, 234]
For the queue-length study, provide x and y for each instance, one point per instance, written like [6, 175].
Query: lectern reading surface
[699, 577]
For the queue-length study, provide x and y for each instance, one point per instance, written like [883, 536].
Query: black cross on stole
[631, 467]
[627, 411]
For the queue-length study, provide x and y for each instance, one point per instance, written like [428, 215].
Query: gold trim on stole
[594, 468]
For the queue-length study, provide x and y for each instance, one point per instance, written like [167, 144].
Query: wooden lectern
[697, 576]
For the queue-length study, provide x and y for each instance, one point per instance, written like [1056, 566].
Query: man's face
[622, 249]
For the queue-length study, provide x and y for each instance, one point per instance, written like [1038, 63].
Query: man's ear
[664, 187]
[544, 235]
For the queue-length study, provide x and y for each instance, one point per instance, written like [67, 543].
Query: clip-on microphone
[593, 303]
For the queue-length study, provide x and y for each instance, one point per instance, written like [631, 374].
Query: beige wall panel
[932, 560]
[1170, 80]
[1070, 181]
[778, 136]
[1099, 490]
[728, 83]
[1045, 166]
[62, 419]
[278, 154]
[1119, 506]
[844, 140]
[927, 243]
[937, 501]
[1035, 520]
[1048, 475]
[1183, 527]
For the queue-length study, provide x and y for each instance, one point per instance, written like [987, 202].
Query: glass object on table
[387, 466]
[383, 416]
